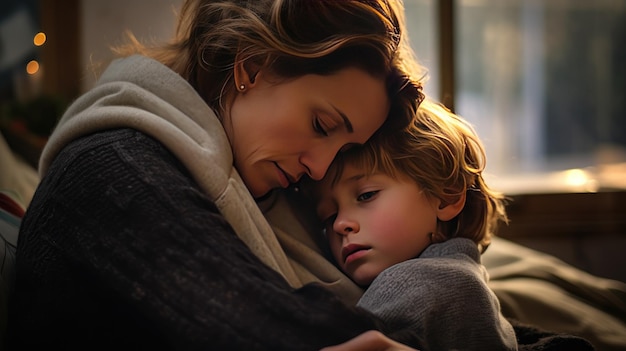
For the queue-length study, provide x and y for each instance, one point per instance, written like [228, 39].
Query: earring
[242, 87]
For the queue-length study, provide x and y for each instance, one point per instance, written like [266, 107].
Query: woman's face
[281, 131]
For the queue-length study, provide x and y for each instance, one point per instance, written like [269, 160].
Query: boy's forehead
[328, 190]
[349, 175]
[326, 195]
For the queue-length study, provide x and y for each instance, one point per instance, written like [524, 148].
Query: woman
[144, 231]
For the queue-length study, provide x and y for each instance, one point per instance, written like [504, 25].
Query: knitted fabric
[121, 249]
[444, 297]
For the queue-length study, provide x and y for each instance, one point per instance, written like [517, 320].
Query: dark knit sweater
[121, 249]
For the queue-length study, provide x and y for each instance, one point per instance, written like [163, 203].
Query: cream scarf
[140, 93]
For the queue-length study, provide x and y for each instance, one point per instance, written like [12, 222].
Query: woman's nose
[344, 226]
[318, 161]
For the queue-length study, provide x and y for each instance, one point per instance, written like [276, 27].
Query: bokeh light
[39, 39]
[32, 67]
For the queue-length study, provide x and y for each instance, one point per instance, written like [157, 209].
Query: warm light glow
[32, 67]
[580, 179]
[576, 177]
[39, 39]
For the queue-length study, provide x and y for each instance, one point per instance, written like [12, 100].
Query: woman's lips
[283, 177]
[352, 252]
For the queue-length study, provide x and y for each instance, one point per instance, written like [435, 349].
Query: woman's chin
[263, 195]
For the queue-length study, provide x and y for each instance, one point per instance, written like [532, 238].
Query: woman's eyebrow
[346, 120]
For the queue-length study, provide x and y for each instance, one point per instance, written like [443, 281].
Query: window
[543, 82]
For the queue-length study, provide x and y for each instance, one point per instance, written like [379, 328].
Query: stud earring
[242, 87]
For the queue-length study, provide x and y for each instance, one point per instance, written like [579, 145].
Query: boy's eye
[317, 126]
[328, 224]
[367, 195]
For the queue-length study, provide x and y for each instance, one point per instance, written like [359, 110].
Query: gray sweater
[443, 296]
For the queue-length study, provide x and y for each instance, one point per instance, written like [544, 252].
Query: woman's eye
[317, 125]
[367, 195]
[348, 147]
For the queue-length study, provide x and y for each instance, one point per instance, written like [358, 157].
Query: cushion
[11, 214]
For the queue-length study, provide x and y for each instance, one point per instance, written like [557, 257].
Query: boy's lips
[348, 251]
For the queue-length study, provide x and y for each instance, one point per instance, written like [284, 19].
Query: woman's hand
[371, 340]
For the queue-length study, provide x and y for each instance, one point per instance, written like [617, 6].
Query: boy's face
[375, 222]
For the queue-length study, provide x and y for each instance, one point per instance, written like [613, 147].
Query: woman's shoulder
[106, 148]
[116, 161]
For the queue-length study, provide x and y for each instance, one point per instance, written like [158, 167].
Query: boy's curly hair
[444, 155]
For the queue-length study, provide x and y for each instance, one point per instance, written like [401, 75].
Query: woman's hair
[291, 38]
[441, 152]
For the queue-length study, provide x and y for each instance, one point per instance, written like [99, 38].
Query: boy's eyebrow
[355, 177]
[346, 120]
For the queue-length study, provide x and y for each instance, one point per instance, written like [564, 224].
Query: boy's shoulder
[455, 248]
[447, 265]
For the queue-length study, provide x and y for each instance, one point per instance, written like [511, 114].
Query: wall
[103, 24]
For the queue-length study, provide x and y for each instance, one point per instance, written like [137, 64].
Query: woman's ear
[246, 74]
[447, 211]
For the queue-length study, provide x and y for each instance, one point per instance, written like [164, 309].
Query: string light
[39, 39]
[32, 67]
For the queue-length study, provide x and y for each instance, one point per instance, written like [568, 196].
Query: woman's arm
[120, 247]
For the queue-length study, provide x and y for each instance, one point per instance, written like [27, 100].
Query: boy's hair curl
[442, 153]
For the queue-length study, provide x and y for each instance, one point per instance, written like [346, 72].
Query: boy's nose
[345, 227]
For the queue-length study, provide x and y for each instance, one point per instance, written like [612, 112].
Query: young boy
[408, 217]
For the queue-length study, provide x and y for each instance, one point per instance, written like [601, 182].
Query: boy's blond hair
[443, 154]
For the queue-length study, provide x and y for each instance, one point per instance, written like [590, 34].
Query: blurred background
[542, 81]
